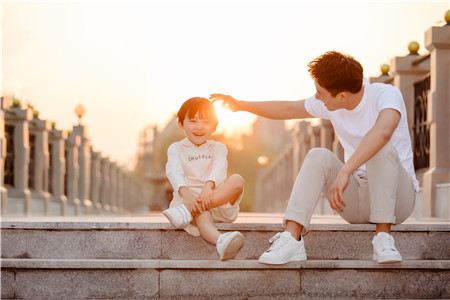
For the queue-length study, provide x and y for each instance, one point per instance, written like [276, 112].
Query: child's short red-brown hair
[203, 106]
[337, 72]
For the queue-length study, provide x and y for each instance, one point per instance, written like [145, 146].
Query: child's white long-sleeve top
[192, 166]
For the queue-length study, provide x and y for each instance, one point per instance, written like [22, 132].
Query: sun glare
[231, 123]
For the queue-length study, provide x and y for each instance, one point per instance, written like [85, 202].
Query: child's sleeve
[174, 171]
[220, 165]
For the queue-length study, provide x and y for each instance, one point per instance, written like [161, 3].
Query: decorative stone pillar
[314, 133]
[39, 166]
[305, 140]
[95, 182]
[384, 77]
[113, 187]
[57, 170]
[84, 162]
[407, 70]
[16, 160]
[3, 191]
[337, 149]
[437, 41]
[105, 185]
[71, 178]
[120, 190]
[326, 134]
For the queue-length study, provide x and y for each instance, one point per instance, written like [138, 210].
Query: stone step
[153, 237]
[213, 279]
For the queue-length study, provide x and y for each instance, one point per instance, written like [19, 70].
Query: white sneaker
[285, 248]
[384, 250]
[229, 244]
[179, 216]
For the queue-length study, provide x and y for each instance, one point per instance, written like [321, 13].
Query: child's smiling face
[197, 130]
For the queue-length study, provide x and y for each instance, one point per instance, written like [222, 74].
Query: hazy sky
[132, 63]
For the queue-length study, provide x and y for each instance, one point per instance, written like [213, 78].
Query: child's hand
[206, 196]
[190, 201]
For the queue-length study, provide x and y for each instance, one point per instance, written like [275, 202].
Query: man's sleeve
[316, 108]
[391, 98]
[220, 165]
[174, 171]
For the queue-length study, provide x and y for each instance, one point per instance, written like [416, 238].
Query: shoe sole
[233, 247]
[273, 261]
[387, 259]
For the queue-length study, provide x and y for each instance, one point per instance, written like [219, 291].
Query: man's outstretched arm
[372, 142]
[277, 110]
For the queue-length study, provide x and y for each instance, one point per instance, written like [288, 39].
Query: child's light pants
[384, 194]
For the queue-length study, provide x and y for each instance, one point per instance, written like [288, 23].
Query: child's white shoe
[229, 244]
[179, 216]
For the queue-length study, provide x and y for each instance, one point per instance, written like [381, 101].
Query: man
[376, 184]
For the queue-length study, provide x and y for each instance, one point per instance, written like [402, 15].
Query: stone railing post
[71, 177]
[120, 190]
[437, 41]
[95, 182]
[84, 162]
[113, 187]
[305, 140]
[407, 70]
[337, 149]
[3, 191]
[314, 133]
[384, 77]
[105, 185]
[39, 166]
[57, 170]
[326, 134]
[17, 160]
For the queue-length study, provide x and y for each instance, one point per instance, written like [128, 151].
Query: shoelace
[387, 244]
[277, 242]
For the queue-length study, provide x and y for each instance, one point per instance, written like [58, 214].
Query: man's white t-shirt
[352, 125]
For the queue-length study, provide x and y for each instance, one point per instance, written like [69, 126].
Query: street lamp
[80, 111]
[263, 160]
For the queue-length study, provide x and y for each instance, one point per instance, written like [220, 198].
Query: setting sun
[231, 123]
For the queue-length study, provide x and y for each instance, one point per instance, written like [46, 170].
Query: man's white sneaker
[384, 250]
[229, 244]
[179, 216]
[285, 248]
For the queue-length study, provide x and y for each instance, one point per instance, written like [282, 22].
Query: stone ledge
[245, 222]
[214, 264]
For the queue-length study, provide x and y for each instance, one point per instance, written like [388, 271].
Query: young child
[197, 171]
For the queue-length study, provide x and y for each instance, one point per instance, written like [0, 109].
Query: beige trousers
[383, 194]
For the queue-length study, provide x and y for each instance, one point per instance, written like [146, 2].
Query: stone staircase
[144, 257]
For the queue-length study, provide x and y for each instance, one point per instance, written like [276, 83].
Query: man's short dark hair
[337, 72]
[203, 106]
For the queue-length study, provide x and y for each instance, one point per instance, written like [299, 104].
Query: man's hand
[206, 196]
[190, 201]
[227, 101]
[336, 198]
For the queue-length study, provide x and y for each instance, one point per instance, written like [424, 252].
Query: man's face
[197, 130]
[331, 103]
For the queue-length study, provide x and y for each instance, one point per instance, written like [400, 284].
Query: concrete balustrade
[47, 172]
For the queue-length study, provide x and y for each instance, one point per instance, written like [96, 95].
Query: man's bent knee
[318, 154]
